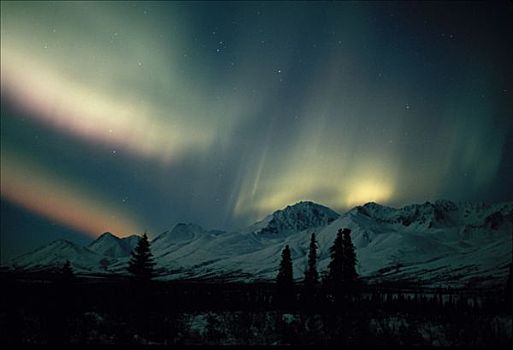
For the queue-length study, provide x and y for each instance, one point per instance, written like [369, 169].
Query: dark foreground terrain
[117, 311]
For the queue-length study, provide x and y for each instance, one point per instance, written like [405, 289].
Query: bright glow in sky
[48, 195]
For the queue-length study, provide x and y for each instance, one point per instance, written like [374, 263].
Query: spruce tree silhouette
[334, 278]
[342, 277]
[67, 274]
[284, 280]
[349, 274]
[141, 264]
[311, 275]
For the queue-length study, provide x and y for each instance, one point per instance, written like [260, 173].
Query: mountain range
[432, 244]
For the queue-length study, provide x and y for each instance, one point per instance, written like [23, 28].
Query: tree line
[339, 281]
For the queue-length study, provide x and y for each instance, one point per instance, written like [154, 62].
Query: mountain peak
[303, 203]
[373, 205]
[62, 243]
[181, 232]
[305, 206]
[110, 245]
[298, 217]
[373, 209]
[107, 235]
[186, 225]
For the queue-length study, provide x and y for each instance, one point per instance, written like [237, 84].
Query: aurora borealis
[132, 116]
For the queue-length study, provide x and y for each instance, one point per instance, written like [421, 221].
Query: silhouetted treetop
[311, 274]
[285, 274]
[141, 264]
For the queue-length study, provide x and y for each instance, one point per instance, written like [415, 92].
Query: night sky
[129, 116]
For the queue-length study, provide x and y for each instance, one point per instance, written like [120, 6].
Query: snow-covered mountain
[182, 234]
[114, 247]
[433, 243]
[295, 218]
[57, 252]
[441, 242]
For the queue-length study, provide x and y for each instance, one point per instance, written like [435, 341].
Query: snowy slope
[433, 243]
[295, 218]
[56, 253]
[131, 242]
[440, 243]
[114, 247]
[181, 234]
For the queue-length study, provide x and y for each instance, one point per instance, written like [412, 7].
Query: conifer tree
[285, 273]
[67, 274]
[311, 274]
[141, 262]
[334, 278]
[349, 257]
[284, 280]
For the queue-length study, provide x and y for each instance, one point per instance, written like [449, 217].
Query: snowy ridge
[109, 245]
[180, 235]
[441, 243]
[56, 253]
[442, 213]
[295, 218]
